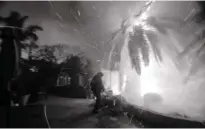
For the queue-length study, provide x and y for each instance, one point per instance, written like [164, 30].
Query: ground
[67, 113]
[77, 113]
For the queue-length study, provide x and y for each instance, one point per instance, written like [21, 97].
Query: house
[64, 79]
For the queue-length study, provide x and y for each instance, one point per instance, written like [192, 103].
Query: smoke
[165, 80]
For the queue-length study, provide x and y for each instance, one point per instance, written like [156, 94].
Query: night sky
[87, 24]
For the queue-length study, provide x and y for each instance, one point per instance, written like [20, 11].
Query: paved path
[76, 113]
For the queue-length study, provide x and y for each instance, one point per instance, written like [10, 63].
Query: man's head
[100, 74]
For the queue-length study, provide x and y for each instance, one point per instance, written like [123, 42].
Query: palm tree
[142, 33]
[47, 53]
[13, 34]
[14, 26]
[30, 46]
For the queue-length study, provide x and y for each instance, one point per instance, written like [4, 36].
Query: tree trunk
[7, 68]
[29, 54]
[7, 62]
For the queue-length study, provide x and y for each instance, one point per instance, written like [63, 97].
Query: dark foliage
[12, 36]
[137, 44]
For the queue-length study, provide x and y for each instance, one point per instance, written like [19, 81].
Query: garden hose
[45, 114]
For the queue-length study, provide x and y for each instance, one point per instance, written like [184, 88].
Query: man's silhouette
[97, 87]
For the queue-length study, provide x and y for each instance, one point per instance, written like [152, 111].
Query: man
[97, 87]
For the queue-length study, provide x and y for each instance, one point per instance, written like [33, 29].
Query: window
[64, 80]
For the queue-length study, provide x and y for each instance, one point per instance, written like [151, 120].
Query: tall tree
[12, 34]
[47, 53]
[141, 32]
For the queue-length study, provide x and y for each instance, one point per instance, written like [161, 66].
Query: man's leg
[97, 103]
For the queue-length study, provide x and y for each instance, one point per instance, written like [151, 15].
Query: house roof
[64, 70]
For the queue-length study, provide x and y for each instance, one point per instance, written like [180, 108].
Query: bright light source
[149, 81]
[140, 21]
[111, 81]
[144, 16]
[148, 85]
[115, 90]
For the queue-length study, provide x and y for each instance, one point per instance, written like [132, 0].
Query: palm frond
[155, 46]
[34, 28]
[22, 21]
[15, 15]
[157, 53]
[135, 60]
[145, 52]
[134, 52]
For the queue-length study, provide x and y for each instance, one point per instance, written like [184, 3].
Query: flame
[112, 82]
[149, 80]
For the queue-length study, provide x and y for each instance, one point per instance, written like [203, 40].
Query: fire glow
[160, 79]
[148, 81]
